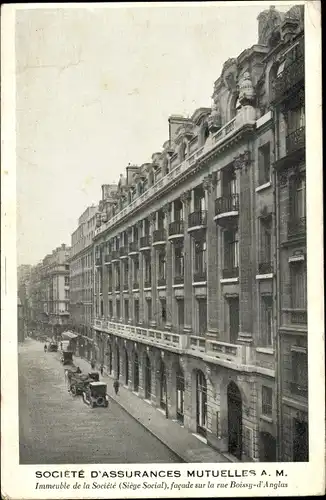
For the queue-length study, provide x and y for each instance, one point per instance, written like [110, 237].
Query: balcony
[126, 286]
[115, 255]
[117, 287]
[298, 317]
[179, 279]
[197, 220]
[299, 390]
[200, 276]
[145, 243]
[225, 351]
[227, 209]
[230, 272]
[296, 140]
[265, 268]
[123, 252]
[147, 283]
[133, 248]
[110, 289]
[297, 227]
[135, 285]
[176, 230]
[159, 237]
[107, 258]
[98, 261]
[161, 281]
[286, 82]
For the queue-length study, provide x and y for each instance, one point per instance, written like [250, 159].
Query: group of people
[116, 383]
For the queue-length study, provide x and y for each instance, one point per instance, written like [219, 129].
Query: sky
[94, 90]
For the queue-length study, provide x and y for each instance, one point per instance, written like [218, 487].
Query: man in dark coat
[116, 386]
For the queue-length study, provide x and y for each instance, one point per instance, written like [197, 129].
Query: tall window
[163, 311]
[178, 210]
[136, 305]
[267, 320]
[233, 303]
[298, 197]
[298, 273]
[162, 265]
[179, 261]
[126, 309]
[200, 257]
[66, 280]
[148, 271]
[264, 164]
[295, 119]
[181, 313]
[118, 309]
[149, 310]
[299, 371]
[136, 269]
[229, 184]
[126, 273]
[202, 316]
[231, 249]
[265, 258]
[110, 308]
[267, 401]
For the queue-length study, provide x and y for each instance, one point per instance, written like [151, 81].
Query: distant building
[81, 280]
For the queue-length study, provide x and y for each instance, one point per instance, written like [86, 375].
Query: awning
[69, 335]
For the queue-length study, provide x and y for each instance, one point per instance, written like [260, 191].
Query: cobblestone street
[57, 428]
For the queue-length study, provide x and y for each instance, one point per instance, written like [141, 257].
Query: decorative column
[155, 311]
[168, 256]
[141, 279]
[213, 277]
[247, 283]
[186, 198]
[130, 271]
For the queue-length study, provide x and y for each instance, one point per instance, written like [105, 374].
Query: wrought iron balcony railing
[145, 241]
[297, 227]
[230, 272]
[265, 267]
[296, 140]
[197, 219]
[176, 227]
[98, 261]
[107, 258]
[179, 279]
[159, 235]
[126, 285]
[133, 247]
[298, 389]
[161, 281]
[226, 204]
[289, 77]
[200, 276]
[110, 288]
[115, 254]
[123, 252]
[147, 283]
[135, 285]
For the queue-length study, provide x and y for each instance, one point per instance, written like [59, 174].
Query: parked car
[95, 395]
[78, 383]
[95, 376]
[66, 358]
[53, 347]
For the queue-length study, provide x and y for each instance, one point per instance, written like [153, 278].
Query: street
[56, 428]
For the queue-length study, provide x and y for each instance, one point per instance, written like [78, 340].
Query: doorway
[148, 377]
[267, 447]
[300, 441]
[234, 420]
[201, 403]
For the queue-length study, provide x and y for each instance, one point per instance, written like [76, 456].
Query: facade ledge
[233, 213]
[196, 228]
[199, 283]
[125, 291]
[267, 276]
[298, 405]
[161, 287]
[265, 350]
[263, 186]
[263, 120]
[135, 289]
[181, 285]
[229, 280]
[148, 289]
[265, 418]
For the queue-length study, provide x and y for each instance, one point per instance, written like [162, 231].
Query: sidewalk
[181, 441]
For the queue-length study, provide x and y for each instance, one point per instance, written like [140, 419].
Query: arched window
[136, 372]
[234, 420]
[163, 386]
[126, 366]
[201, 403]
[117, 360]
[147, 377]
[180, 388]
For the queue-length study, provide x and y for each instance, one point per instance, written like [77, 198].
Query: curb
[183, 460]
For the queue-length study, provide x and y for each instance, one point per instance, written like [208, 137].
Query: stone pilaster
[213, 276]
[186, 198]
[242, 165]
[168, 254]
[155, 305]
[141, 281]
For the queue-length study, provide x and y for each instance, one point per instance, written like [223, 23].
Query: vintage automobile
[66, 358]
[95, 395]
[78, 383]
[53, 347]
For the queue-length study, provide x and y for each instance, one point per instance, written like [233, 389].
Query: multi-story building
[291, 261]
[54, 291]
[81, 280]
[23, 289]
[187, 262]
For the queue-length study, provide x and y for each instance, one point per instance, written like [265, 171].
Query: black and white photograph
[162, 236]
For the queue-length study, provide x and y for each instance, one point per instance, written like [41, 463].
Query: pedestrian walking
[61, 346]
[116, 386]
[101, 369]
[93, 365]
[45, 348]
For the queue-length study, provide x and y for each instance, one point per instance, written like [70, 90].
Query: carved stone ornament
[185, 197]
[283, 179]
[152, 217]
[268, 21]
[166, 208]
[229, 74]
[214, 120]
[246, 90]
[209, 182]
[242, 161]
